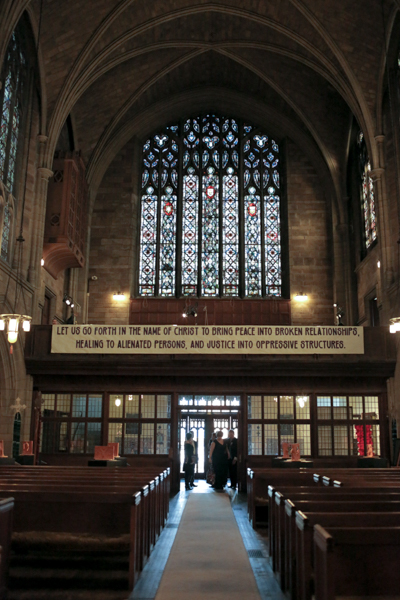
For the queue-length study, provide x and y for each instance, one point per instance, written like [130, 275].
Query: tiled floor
[255, 544]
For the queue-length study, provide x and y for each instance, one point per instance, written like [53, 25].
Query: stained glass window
[13, 79]
[210, 210]
[367, 193]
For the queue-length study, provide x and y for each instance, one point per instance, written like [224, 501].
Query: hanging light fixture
[11, 322]
[117, 401]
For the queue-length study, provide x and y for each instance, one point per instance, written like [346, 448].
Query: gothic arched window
[13, 79]
[210, 211]
[367, 193]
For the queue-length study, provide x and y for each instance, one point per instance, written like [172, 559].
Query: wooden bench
[282, 522]
[302, 558]
[280, 530]
[356, 562]
[258, 481]
[58, 500]
[6, 524]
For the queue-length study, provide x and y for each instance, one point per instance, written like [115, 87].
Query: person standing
[188, 466]
[219, 459]
[232, 461]
[195, 462]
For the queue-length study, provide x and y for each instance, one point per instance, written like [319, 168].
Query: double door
[202, 426]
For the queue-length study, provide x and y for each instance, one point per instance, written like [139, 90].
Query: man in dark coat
[232, 462]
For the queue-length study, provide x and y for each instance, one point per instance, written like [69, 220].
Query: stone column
[40, 200]
[343, 291]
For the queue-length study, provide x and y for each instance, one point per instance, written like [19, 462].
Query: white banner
[199, 339]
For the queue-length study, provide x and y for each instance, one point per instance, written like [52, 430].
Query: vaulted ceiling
[299, 68]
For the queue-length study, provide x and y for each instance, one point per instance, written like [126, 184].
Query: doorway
[202, 415]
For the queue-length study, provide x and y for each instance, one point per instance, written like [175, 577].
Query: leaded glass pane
[271, 439]
[93, 437]
[168, 242]
[148, 243]
[190, 228]
[254, 407]
[367, 193]
[324, 440]
[252, 235]
[147, 438]
[210, 233]
[273, 271]
[304, 438]
[131, 438]
[131, 406]
[230, 233]
[163, 435]
[79, 405]
[255, 439]
[341, 440]
[11, 101]
[163, 407]
[115, 435]
[95, 406]
[77, 438]
[5, 239]
[48, 405]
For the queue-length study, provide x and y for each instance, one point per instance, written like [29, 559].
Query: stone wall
[310, 242]
[111, 246]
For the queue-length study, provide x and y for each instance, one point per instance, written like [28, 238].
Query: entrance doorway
[202, 415]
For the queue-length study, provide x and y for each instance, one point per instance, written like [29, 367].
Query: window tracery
[11, 99]
[210, 210]
[367, 194]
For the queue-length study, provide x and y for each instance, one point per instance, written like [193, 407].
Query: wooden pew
[281, 530]
[356, 562]
[260, 479]
[303, 556]
[6, 524]
[105, 504]
[282, 526]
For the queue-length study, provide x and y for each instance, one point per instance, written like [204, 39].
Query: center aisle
[208, 558]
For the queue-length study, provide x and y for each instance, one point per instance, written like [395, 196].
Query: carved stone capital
[42, 139]
[380, 138]
[45, 173]
[377, 173]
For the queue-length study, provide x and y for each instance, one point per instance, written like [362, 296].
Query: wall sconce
[378, 264]
[190, 311]
[301, 297]
[117, 401]
[68, 301]
[118, 296]
[42, 262]
[394, 325]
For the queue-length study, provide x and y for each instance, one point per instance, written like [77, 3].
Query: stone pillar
[42, 180]
[343, 291]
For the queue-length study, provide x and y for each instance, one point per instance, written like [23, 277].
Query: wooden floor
[256, 546]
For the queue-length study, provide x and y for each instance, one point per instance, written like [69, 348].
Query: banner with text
[199, 339]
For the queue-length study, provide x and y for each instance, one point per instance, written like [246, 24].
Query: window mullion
[221, 217]
[200, 230]
[241, 215]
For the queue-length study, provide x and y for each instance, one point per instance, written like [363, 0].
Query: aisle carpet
[208, 559]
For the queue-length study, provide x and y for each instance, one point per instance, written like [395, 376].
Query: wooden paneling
[235, 311]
